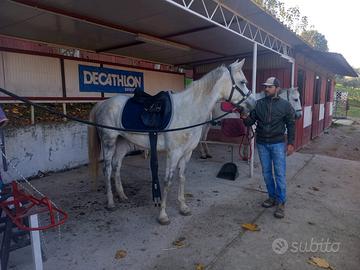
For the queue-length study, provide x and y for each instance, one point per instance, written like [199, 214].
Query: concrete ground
[322, 219]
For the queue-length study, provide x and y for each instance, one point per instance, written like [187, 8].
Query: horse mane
[206, 82]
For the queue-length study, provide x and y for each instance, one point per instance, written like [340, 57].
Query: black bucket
[228, 171]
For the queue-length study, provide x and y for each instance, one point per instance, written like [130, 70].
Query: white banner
[322, 112]
[307, 116]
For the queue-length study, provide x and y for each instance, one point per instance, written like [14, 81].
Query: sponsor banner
[108, 80]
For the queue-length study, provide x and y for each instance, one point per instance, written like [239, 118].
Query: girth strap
[156, 190]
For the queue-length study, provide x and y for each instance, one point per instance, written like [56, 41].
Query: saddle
[149, 113]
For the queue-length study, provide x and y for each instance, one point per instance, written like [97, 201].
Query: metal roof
[177, 32]
[334, 62]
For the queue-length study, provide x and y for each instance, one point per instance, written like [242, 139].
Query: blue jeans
[274, 155]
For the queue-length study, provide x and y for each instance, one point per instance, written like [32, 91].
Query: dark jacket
[272, 115]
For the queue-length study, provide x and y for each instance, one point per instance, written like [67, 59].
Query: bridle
[237, 88]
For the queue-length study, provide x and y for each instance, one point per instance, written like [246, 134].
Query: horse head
[236, 90]
[294, 99]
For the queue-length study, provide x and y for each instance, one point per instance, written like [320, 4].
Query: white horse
[291, 94]
[191, 106]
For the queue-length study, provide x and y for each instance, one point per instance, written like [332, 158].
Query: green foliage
[316, 39]
[349, 82]
[290, 17]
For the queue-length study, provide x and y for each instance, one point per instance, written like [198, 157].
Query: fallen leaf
[15, 110]
[315, 188]
[199, 266]
[311, 223]
[250, 227]
[319, 262]
[180, 242]
[189, 195]
[120, 254]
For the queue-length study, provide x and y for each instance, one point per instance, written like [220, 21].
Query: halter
[235, 87]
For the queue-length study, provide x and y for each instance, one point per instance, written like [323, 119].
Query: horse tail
[94, 147]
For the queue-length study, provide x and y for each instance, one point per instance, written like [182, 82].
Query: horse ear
[241, 63]
[238, 65]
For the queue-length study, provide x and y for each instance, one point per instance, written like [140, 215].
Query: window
[328, 90]
[301, 84]
[317, 89]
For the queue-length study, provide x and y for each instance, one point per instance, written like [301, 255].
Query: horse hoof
[185, 212]
[203, 157]
[111, 208]
[208, 156]
[164, 221]
[123, 199]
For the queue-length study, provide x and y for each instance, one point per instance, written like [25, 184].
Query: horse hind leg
[184, 209]
[109, 147]
[122, 147]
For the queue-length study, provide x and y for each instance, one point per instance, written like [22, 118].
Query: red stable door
[316, 107]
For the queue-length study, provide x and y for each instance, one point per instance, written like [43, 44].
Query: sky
[338, 20]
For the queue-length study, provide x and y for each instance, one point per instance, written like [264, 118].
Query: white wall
[40, 76]
[45, 148]
[31, 75]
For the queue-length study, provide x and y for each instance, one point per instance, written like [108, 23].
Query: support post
[253, 87]
[32, 114]
[292, 73]
[64, 111]
[35, 243]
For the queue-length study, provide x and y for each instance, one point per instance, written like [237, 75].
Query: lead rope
[249, 135]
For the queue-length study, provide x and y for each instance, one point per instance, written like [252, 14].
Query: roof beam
[101, 23]
[191, 31]
[238, 24]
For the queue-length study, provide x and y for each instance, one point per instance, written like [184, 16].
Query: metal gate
[341, 105]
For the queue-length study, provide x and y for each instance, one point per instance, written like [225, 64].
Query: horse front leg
[184, 209]
[171, 164]
[109, 147]
[204, 150]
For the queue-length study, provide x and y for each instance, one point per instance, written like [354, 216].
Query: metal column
[253, 87]
[292, 73]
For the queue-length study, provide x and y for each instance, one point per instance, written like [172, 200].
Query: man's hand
[244, 115]
[290, 149]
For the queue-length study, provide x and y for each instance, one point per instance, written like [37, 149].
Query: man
[273, 115]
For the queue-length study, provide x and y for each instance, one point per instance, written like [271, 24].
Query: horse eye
[243, 82]
[296, 100]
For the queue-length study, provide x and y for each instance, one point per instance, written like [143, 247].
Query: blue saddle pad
[145, 112]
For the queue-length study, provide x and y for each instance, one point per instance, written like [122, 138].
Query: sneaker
[270, 202]
[280, 211]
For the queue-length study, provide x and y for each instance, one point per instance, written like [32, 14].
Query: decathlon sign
[99, 79]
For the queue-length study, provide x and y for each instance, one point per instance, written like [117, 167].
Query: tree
[316, 39]
[349, 81]
[292, 18]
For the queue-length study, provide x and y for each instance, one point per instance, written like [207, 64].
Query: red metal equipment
[20, 205]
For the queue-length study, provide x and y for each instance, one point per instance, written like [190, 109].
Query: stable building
[76, 52]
